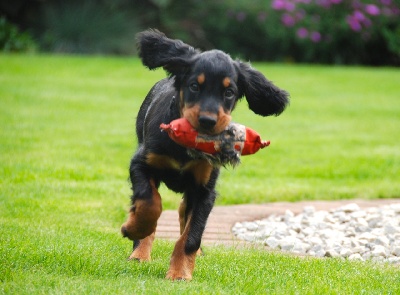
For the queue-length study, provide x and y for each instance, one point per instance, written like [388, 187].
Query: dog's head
[210, 83]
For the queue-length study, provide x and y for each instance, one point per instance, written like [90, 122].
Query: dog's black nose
[207, 122]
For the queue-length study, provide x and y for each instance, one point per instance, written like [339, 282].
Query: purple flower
[372, 9]
[386, 2]
[358, 15]
[283, 5]
[290, 6]
[315, 37]
[241, 16]
[389, 11]
[356, 4]
[324, 3]
[302, 33]
[337, 1]
[278, 4]
[300, 14]
[367, 22]
[353, 23]
[288, 20]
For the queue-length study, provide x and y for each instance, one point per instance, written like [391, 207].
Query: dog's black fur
[203, 87]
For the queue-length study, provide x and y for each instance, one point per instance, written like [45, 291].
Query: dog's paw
[142, 249]
[139, 257]
[134, 231]
[178, 276]
[142, 221]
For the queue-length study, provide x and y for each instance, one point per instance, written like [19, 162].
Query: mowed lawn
[66, 138]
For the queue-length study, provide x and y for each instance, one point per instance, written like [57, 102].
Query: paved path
[222, 218]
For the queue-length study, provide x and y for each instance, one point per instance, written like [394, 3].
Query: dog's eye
[229, 94]
[194, 87]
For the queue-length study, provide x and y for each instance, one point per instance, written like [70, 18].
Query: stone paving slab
[222, 218]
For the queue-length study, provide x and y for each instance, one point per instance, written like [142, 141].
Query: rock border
[347, 231]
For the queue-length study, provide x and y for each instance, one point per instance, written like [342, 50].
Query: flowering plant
[318, 20]
[322, 31]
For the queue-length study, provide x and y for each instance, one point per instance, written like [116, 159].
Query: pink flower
[323, 3]
[367, 22]
[302, 33]
[288, 20]
[353, 23]
[372, 9]
[386, 2]
[315, 37]
[358, 15]
[300, 14]
[290, 6]
[278, 4]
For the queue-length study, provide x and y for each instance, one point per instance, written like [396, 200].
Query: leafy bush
[12, 40]
[323, 31]
[316, 31]
[87, 27]
[342, 31]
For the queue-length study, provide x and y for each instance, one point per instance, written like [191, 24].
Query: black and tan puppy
[202, 87]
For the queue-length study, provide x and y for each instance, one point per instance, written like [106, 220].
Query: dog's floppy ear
[263, 97]
[156, 50]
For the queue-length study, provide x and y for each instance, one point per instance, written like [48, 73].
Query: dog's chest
[200, 169]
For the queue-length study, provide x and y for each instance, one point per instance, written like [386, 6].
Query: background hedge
[312, 31]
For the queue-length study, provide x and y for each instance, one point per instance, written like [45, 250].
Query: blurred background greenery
[312, 31]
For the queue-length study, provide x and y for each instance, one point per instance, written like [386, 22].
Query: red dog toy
[226, 147]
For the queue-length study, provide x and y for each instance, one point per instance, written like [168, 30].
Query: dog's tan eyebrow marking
[201, 78]
[226, 82]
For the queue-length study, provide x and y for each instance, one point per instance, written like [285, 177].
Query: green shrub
[87, 27]
[12, 40]
[321, 31]
[342, 31]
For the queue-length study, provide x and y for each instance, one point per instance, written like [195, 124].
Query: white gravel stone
[309, 210]
[396, 251]
[347, 232]
[252, 226]
[396, 208]
[356, 256]
[382, 240]
[394, 260]
[378, 250]
[349, 208]
[345, 252]
[331, 253]
[391, 229]
[272, 242]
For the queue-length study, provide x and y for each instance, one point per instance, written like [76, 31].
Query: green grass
[66, 138]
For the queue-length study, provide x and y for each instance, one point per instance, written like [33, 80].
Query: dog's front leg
[146, 204]
[199, 204]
